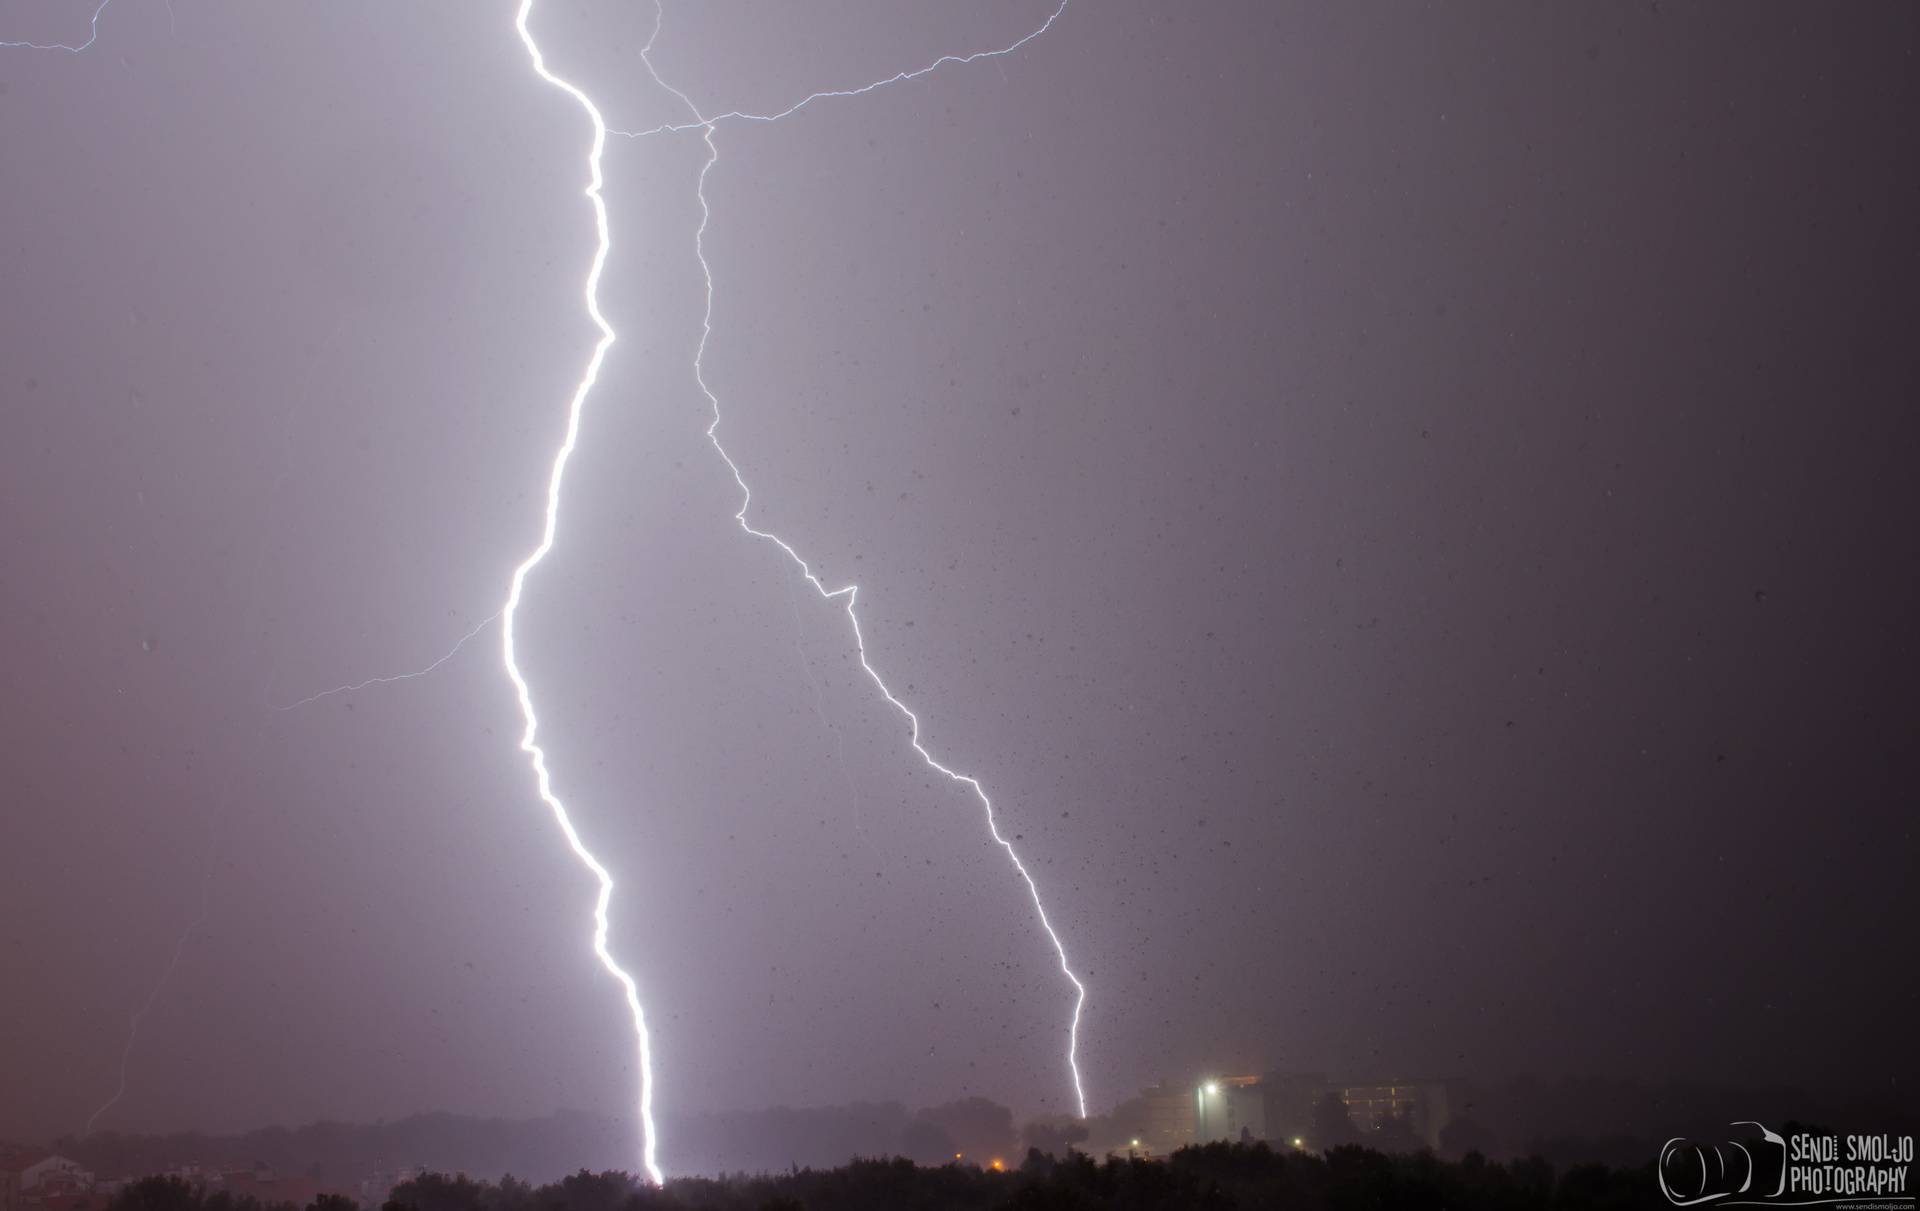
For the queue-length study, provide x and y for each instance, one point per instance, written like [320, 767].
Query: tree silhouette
[438, 1192]
[1396, 1134]
[156, 1194]
[980, 1129]
[1054, 1138]
[1213, 1177]
[927, 1142]
[1466, 1135]
[1332, 1127]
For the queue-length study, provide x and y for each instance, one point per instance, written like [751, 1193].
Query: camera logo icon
[1692, 1173]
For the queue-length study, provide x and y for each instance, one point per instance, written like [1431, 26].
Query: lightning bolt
[848, 595]
[510, 612]
[93, 32]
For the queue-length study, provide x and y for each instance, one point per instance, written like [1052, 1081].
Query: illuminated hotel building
[1281, 1108]
[1170, 1113]
[1230, 1108]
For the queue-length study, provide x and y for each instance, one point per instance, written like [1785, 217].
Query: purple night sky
[1409, 511]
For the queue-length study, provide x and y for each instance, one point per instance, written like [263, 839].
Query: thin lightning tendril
[528, 744]
[153, 994]
[707, 124]
[453, 651]
[849, 594]
[93, 32]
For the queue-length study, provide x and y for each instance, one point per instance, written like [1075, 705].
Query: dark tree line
[177, 1194]
[1211, 1177]
[1565, 1121]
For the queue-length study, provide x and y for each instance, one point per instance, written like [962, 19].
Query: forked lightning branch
[845, 596]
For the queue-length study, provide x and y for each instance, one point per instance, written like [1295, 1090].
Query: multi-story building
[1283, 1108]
[1293, 1099]
[1230, 1108]
[1170, 1118]
[1421, 1105]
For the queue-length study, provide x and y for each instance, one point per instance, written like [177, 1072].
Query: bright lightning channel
[849, 594]
[93, 32]
[528, 743]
